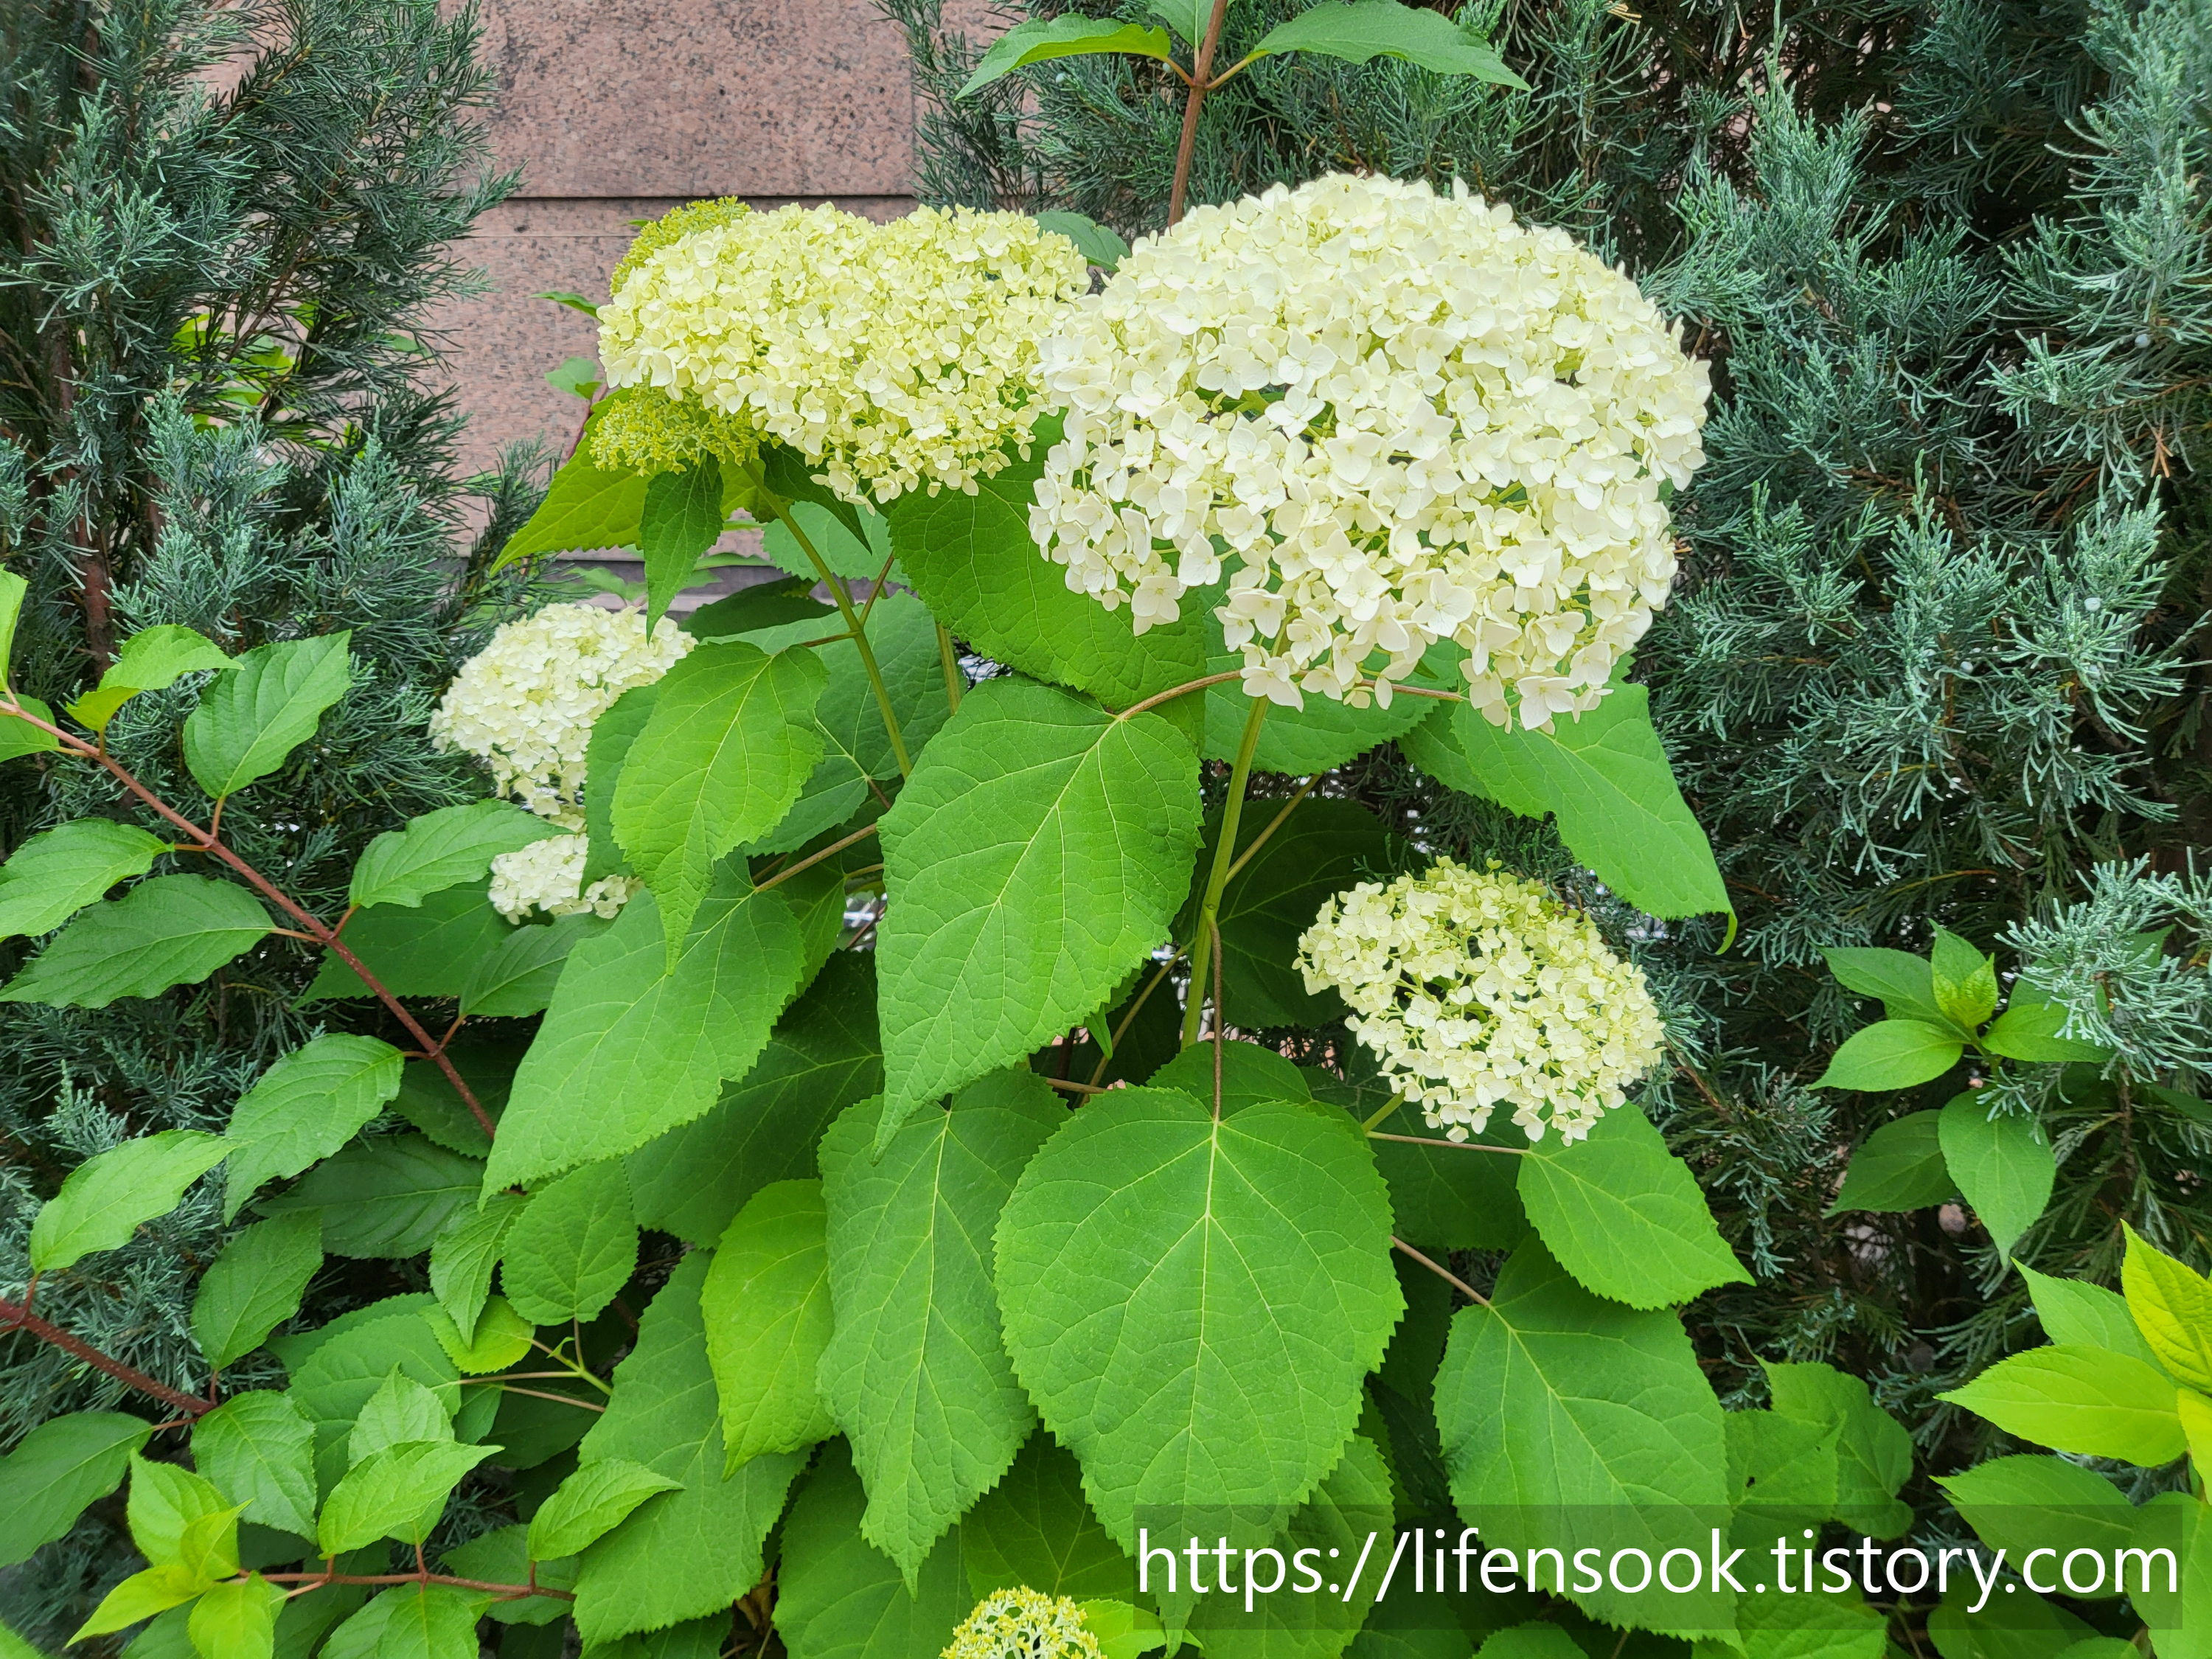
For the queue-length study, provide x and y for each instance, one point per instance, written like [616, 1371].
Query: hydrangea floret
[524, 706]
[1474, 988]
[893, 356]
[1386, 417]
[1023, 1624]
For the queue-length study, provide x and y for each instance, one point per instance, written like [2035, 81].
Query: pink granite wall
[620, 109]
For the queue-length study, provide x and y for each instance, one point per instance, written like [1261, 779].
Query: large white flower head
[894, 356]
[1023, 1624]
[549, 876]
[1390, 417]
[524, 705]
[1474, 987]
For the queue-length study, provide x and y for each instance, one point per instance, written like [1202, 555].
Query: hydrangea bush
[814, 1110]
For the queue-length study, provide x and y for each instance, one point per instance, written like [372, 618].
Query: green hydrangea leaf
[2004, 1166]
[1605, 777]
[1035, 1527]
[400, 1411]
[428, 949]
[2085, 1316]
[1366, 29]
[140, 1597]
[2173, 1307]
[442, 849]
[686, 1553]
[648, 1044]
[1898, 1168]
[586, 507]
[55, 874]
[915, 1374]
[1873, 1454]
[1965, 980]
[1037, 854]
[517, 976]
[1459, 1198]
[1325, 733]
[1592, 1416]
[304, 1108]
[2021, 1504]
[1817, 1625]
[411, 1621]
[238, 1620]
[766, 1303]
[252, 718]
[105, 1198]
[1249, 1074]
[1892, 1054]
[729, 744]
[598, 1497]
[259, 1448]
[821, 1057]
[255, 1285]
[1040, 40]
[464, 1252]
[972, 562]
[1624, 1215]
[152, 659]
[60, 1468]
[165, 1503]
[503, 1556]
[399, 1491]
[838, 1597]
[2032, 1028]
[574, 1248]
[1192, 1303]
[387, 1197]
[1905, 984]
[348, 1360]
[172, 930]
[680, 518]
[18, 736]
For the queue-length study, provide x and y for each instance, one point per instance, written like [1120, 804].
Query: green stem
[1225, 855]
[853, 624]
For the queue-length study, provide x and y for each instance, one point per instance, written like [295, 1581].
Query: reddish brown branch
[321, 935]
[505, 1592]
[14, 1316]
[1200, 70]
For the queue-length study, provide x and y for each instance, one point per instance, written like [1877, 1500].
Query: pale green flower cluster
[894, 356]
[1389, 417]
[524, 706]
[1023, 1624]
[1475, 987]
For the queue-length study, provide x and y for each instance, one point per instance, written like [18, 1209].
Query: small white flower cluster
[1392, 417]
[1474, 987]
[524, 706]
[1023, 1624]
[893, 356]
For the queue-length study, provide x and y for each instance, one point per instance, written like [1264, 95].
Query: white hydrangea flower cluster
[1392, 417]
[1474, 988]
[894, 356]
[524, 706]
[1023, 1624]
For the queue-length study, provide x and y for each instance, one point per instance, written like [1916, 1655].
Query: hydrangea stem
[1201, 67]
[854, 625]
[1225, 856]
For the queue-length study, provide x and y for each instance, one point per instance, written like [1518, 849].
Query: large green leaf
[1624, 1215]
[592, 1503]
[1322, 847]
[2021, 1504]
[576, 1247]
[613, 734]
[385, 1197]
[2086, 1315]
[1572, 1423]
[104, 1199]
[517, 976]
[766, 1303]
[2172, 1304]
[152, 659]
[2005, 1166]
[442, 849]
[915, 1374]
[1366, 29]
[821, 1058]
[729, 744]
[1873, 1454]
[1892, 1054]
[971, 560]
[255, 1285]
[1250, 1073]
[680, 518]
[428, 949]
[1605, 777]
[691, 1551]
[258, 1447]
[837, 1597]
[252, 718]
[1460, 1197]
[2032, 1029]
[1905, 984]
[464, 1253]
[345, 1363]
[17, 736]
[409, 1621]
[172, 930]
[53, 875]
[56, 1470]
[1040, 40]
[1035, 1528]
[397, 1492]
[305, 1107]
[586, 507]
[1810, 1625]
[1898, 1168]
[1191, 1303]
[1037, 856]
[634, 1045]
